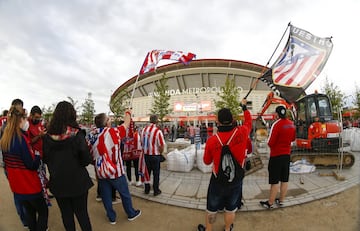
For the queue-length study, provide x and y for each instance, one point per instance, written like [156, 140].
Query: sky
[52, 50]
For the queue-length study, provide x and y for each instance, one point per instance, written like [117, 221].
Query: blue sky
[51, 50]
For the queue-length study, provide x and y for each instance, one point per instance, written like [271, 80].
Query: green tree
[119, 106]
[229, 97]
[88, 110]
[336, 96]
[160, 105]
[356, 100]
[47, 113]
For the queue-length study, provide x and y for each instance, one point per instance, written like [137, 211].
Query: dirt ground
[338, 212]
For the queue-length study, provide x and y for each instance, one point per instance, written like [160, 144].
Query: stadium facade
[193, 88]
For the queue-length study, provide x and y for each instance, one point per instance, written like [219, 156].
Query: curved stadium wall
[193, 87]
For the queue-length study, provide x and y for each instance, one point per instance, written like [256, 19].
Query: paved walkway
[189, 189]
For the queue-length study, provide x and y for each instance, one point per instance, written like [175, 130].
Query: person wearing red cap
[282, 133]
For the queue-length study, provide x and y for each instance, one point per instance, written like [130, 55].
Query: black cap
[225, 116]
[281, 111]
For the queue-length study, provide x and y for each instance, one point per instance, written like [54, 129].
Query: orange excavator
[317, 132]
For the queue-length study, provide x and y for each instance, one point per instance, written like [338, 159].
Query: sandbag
[346, 135]
[200, 163]
[181, 161]
[302, 166]
[355, 140]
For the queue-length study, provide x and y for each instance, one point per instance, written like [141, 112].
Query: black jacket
[67, 160]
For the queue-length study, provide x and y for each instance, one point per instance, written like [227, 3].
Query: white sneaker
[138, 184]
[131, 183]
[117, 201]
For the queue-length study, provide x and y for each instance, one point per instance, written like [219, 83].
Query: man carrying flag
[151, 60]
[301, 61]
[106, 151]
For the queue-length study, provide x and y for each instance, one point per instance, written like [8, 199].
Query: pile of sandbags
[181, 161]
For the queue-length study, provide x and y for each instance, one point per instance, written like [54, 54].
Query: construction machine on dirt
[318, 134]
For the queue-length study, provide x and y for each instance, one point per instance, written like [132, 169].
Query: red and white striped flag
[153, 57]
[143, 171]
[105, 149]
[301, 61]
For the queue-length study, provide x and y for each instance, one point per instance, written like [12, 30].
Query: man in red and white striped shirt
[153, 143]
[104, 143]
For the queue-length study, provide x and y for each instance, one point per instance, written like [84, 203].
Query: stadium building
[193, 88]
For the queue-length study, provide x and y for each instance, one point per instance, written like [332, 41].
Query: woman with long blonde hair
[21, 165]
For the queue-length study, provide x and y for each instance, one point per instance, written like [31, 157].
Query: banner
[153, 57]
[301, 61]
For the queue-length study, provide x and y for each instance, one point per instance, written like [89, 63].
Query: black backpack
[229, 169]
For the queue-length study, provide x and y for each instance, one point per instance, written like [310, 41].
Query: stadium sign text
[192, 91]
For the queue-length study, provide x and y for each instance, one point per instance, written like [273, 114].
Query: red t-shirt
[238, 144]
[34, 130]
[282, 133]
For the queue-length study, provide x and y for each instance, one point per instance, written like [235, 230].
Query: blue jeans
[121, 185]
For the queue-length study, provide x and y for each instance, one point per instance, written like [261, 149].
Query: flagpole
[137, 78]
[265, 67]
[133, 91]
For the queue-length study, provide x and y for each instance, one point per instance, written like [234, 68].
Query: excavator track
[324, 159]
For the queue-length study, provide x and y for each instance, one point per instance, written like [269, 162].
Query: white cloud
[54, 49]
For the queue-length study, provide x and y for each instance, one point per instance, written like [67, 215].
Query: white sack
[180, 161]
[355, 141]
[200, 163]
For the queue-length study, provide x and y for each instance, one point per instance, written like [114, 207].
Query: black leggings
[74, 205]
[128, 169]
[36, 214]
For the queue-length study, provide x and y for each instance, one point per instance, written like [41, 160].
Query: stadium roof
[198, 73]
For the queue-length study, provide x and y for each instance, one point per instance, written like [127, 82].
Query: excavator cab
[317, 133]
[316, 128]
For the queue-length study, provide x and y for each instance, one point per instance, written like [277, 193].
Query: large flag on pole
[301, 61]
[153, 57]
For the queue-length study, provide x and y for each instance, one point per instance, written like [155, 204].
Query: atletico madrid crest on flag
[301, 61]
